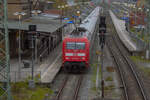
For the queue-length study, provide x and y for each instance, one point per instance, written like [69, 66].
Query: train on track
[76, 46]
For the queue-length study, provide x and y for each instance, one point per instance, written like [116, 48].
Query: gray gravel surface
[145, 78]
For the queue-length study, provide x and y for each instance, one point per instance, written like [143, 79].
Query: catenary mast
[4, 53]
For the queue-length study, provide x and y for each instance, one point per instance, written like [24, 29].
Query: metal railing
[44, 54]
[42, 49]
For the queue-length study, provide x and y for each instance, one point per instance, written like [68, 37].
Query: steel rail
[120, 72]
[78, 88]
[140, 84]
[61, 89]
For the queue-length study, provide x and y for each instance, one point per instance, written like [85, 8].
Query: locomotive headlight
[81, 54]
[69, 54]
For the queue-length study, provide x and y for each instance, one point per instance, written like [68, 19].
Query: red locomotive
[76, 53]
[76, 46]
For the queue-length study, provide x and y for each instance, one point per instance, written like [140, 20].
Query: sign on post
[32, 28]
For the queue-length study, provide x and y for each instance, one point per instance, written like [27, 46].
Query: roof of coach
[80, 39]
[83, 32]
[79, 32]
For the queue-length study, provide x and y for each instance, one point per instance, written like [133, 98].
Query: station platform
[49, 75]
[44, 72]
[123, 33]
[51, 67]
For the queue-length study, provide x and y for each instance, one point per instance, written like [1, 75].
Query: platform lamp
[134, 7]
[62, 10]
[147, 13]
[66, 11]
[140, 10]
[59, 7]
[78, 14]
[61, 17]
[19, 14]
[147, 32]
[32, 29]
[36, 12]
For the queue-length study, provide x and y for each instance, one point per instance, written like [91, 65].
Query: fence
[139, 42]
[4, 96]
[24, 76]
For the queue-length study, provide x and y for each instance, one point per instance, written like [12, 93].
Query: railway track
[73, 95]
[133, 86]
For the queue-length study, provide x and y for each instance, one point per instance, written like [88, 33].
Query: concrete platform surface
[123, 33]
[51, 72]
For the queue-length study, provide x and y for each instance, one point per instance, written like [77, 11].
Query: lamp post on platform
[36, 12]
[66, 11]
[78, 13]
[134, 14]
[32, 30]
[147, 24]
[61, 17]
[19, 14]
[147, 32]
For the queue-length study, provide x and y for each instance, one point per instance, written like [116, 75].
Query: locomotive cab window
[70, 45]
[75, 45]
[80, 45]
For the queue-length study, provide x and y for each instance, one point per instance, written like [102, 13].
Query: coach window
[80, 45]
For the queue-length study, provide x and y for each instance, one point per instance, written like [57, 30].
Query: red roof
[53, 11]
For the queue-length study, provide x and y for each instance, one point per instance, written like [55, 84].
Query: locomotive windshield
[80, 45]
[75, 45]
[70, 45]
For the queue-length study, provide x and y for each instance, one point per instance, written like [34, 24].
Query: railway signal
[102, 39]
[102, 31]
[32, 28]
[32, 31]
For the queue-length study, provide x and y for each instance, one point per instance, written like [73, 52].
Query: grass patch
[133, 30]
[146, 70]
[94, 71]
[139, 59]
[109, 87]
[1, 90]
[134, 40]
[21, 91]
[109, 79]
[94, 88]
[110, 69]
[94, 74]
[37, 78]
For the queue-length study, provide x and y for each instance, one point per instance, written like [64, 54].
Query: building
[18, 6]
[137, 18]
